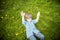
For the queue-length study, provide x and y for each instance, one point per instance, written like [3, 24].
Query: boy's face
[28, 17]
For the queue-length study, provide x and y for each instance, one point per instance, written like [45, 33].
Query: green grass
[11, 27]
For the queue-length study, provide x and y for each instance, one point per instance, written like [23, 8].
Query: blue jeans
[39, 35]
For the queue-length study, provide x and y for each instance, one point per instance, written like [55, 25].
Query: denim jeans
[39, 35]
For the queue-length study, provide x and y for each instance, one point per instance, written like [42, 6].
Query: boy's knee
[32, 38]
[42, 36]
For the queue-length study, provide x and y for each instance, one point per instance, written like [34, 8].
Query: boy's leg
[32, 37]
[39, 35]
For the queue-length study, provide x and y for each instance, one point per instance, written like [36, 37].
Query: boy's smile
[29, 17]
[29, 20]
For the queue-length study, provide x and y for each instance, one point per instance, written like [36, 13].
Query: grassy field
[11, 27]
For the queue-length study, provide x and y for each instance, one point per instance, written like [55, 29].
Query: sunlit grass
[12, 27]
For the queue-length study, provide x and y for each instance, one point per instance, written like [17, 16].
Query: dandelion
[2, 17]
[6, 15]
[17, 34]
[12, 16]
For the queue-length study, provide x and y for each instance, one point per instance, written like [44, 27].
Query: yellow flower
[12, 16]
[6, 15]
[2, 17]
[16, 34]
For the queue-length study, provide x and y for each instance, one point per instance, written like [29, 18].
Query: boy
[30, 26]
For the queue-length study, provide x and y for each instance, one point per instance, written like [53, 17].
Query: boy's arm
[22, 14]
[38, 15]
[22, 18]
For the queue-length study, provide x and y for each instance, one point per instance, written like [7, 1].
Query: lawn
[11, 27]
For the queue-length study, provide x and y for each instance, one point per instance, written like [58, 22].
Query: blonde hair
[28, 15]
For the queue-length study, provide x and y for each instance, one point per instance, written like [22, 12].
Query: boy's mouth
[29, 19]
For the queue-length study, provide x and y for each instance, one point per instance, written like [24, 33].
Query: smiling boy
[31, 30]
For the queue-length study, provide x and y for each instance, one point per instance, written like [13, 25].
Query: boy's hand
[22, 13]
[38, 14]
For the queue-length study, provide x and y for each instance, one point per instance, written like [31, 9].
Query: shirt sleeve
[34, 21]
[24, 22]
